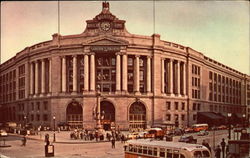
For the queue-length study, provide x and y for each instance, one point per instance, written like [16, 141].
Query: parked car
[222, 127]
[133, 135]
[203, 133]
[142, 134]
[189, 130]
[188, 139]
[3, 133]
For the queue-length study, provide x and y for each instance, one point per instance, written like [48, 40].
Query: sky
[218, 29]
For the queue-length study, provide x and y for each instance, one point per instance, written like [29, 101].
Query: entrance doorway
[109, 115]
[74, 114]
[137, 116]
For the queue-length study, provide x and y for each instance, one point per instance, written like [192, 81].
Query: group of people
[221, 149]
[86, 135]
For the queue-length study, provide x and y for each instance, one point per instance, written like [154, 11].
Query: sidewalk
[61, 137]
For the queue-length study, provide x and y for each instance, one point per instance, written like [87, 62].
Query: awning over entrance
[211, 118]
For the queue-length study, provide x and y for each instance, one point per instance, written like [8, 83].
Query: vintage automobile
[3, 133]
[203, 133]
[188, 139]
[156, 133]
[133, 135]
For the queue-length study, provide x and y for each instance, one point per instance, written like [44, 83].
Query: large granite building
[143, 81]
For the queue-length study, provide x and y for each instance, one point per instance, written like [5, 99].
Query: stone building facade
[143, 80]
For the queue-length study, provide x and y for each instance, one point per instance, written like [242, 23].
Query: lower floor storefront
[111, 111]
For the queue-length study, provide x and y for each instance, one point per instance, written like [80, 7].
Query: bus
[148, 148]
[156, 133]
[199, 127]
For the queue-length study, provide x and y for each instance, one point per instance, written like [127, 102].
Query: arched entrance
[109, 115]
[137, 116]
[74, 114]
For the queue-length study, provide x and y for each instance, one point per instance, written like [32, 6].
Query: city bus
[199, 127]
[148, 148]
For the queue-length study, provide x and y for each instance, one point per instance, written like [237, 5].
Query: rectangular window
[141, 75]
[168, 117]
[45, 104]
[176, 105]
[210, 75]
[194, 117]
[45, 117]
[168, 104]
[183, 106]
[194, 106]
[32, 106]
[198, 107]
[38, 105]
[38, 117]
[130, 61]
[183, 117]
[210, 86]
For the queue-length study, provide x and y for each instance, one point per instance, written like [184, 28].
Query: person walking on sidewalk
[223, 145]
[24, 140]
[113, 142]
[217, 152]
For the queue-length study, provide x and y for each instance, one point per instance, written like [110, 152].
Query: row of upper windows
[196, 69]
[224, 80]
[223, 108]
[176, 106]
[224, 89]
[195, 81]
[174, 117]
[223, 98]
[8, 77]
[34, 106]
[196, 94]
[107, 61]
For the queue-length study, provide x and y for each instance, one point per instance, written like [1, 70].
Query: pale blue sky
[218, 29]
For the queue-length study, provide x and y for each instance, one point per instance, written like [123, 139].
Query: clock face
[105, 26]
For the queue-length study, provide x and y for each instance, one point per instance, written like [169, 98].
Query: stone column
[171, 76]
[74, 73]
[36, 77]
[184, 79]
[50, 75]
[178, 77]
[118, 72]
[148, 74]
[31, 78]
[162, 77]
[137, 75]
[63, 74]
[43, 77]
[86, 72]
[92, 72]
[125, 72]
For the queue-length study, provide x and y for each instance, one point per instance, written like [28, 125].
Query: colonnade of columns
[121, 73]
[173, 77]
[38, 76]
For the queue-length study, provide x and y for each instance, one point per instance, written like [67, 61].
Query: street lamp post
[25, 117]
[98, 112]
[229, 125]
[54, 120]
[244, 120]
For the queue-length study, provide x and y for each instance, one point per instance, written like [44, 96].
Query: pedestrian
[217, 151]
[223, 145]
[113, 142]
[204, 143]
[24, 140]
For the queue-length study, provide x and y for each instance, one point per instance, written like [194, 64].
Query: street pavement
[66, 147]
